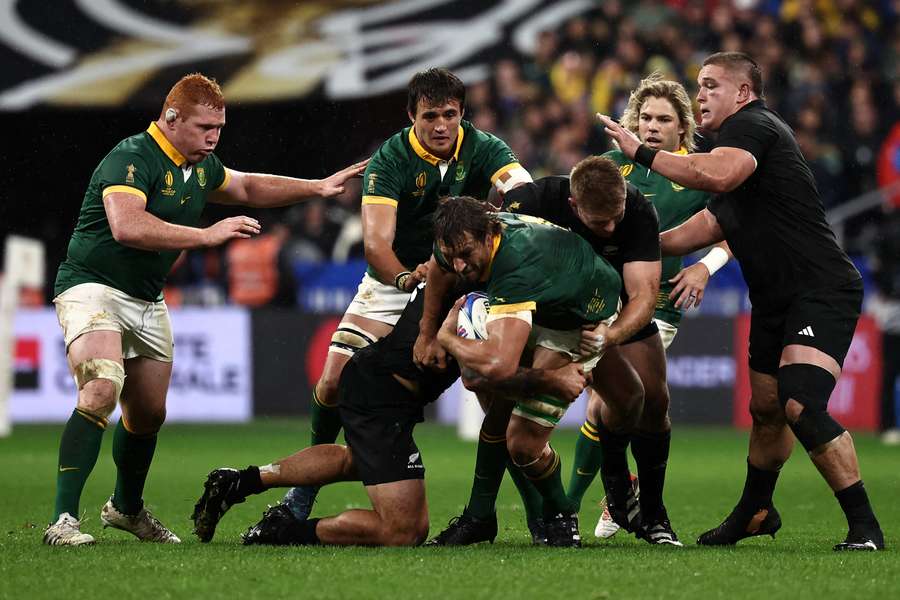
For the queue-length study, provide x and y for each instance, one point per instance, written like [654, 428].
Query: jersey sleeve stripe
[504, 169]
[226, 180]
[510, 308]
[124, 189]
[379, 200]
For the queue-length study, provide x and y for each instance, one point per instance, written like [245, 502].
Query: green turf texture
[706, 471]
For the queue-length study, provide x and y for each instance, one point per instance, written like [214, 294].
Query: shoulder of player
[395, 148]
[617, 156]
[482, 140]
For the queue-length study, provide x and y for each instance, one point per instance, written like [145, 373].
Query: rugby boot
[866, 538]
[219, 494]
[740, 524]
[66, 532]
[658, 530]
[562, 531]
[278, 527]
[606, 527]
[538, 529]
[300, 500]
[144, 526]
[622, 501]
[464, 530]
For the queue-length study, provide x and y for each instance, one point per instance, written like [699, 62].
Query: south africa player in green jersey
[659, 112]
[539, 298]
[141, 209]
[438, 155]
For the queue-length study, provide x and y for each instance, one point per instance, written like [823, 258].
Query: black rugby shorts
[379, 416]
[822, 319]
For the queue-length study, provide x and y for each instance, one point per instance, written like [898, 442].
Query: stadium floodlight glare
[23, 266]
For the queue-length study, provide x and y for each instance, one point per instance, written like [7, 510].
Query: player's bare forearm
[635, 315]
[439, 285]
[382, 260]
[262, 190]
[480, 357]
[698, 232]
[719, 171]
[145, 231]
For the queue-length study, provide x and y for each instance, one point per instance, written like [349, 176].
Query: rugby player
[538, 298]
[659, 112]
[806, 293]
[381, 398]
[439, 154]
[141, 209]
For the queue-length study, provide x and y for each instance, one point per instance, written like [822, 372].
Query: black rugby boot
[741, 524]
[465, 530]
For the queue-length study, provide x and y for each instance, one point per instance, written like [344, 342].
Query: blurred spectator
[255, 275]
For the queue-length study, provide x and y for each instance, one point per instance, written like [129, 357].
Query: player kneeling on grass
[381, 398]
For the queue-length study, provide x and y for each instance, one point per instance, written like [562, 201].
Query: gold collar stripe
[428, 156]
[165, 145]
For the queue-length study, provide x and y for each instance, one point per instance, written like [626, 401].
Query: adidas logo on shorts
[806, 331]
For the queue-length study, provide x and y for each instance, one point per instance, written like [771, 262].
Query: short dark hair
[739, 61]
[457, 215]
[597, 184]
[436, 85]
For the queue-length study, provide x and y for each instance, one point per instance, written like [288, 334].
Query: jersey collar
[165, 145]
[681, 150]
[428, 156]
[496, 243]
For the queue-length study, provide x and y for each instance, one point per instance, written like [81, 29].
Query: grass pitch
[706, 472]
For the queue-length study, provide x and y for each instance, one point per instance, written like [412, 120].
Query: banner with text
[211, 376]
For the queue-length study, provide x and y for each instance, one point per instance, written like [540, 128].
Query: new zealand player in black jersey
[382, 396]
[806, 294]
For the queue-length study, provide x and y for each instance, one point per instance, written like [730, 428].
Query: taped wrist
[400, 280]
[715, 260]
[811, 386]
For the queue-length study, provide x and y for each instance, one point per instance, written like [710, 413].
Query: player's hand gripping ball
[472, 321]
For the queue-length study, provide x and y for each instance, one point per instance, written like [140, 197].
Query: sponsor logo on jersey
[460, 172]
[513, 206]
[372, 178]
[185, 199]
[421, 180]
[201, 178]
[625, 170]
[170, 180]
[676, 187]
[129, 178]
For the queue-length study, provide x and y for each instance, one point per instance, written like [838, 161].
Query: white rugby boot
[144, 526]
[66, 532]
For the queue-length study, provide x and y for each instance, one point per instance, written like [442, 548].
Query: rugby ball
[472, 321]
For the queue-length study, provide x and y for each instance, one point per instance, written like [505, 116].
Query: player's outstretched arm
[721, 170]
[131, 225]
[268, 191]
[427, 351]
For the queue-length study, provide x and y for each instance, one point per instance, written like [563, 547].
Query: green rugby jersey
[403, 174]
[674, 205]
[148, 166]
[550, 271]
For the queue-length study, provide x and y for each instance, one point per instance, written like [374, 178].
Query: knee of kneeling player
[410, 533]
[803, 391]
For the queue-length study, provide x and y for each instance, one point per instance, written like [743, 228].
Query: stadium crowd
[830, 66]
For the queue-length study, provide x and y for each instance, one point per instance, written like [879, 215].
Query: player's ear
[572, 202]
[412, 117]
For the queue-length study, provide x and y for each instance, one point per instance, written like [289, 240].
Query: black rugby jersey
[393, 354]
[774, 221]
